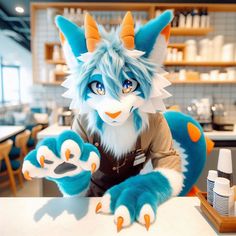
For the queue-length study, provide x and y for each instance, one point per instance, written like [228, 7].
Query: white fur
[158, 93]
[175, 179]
[92, 159]
[121, 139]
[146, 209]
[183, 155]
[158, 53]
[48, 169]
[72, 146]
[123, 212]
[71, 61]
[106, 202]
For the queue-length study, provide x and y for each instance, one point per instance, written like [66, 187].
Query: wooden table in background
[9, 131]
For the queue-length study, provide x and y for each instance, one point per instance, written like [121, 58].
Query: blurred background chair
[20, 148]
[9, 168]
[33, 138]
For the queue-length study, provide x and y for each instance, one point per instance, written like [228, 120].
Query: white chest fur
[119, 140]
[122, 139]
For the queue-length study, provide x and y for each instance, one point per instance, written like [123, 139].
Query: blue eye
[129, 85]
[97, 88]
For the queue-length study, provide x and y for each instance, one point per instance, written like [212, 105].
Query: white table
[9, 131]
[76, 216]
[52, 131]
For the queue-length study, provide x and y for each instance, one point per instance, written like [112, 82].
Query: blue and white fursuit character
[116, 84]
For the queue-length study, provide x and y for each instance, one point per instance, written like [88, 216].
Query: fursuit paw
[136, 199]
[64, 159]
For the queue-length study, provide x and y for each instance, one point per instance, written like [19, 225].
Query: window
[10, 84]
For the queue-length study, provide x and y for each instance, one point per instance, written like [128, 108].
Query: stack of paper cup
[222, 196]
[212, 175]
[224, 166]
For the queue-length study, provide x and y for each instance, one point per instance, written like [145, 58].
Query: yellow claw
[67, 154]
[147, 221]
[41, 161]
[98, 207]
[93, 167]
[119, 223]
[27, 176]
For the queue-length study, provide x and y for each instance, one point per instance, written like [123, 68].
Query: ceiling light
[19, 9]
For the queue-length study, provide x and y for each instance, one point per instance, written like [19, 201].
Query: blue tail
[189, 140]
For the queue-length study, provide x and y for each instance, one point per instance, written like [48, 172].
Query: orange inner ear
[193, 132]
[62, 37]
[166, 32]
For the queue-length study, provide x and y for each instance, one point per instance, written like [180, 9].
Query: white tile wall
[225, 24]
[222, 23]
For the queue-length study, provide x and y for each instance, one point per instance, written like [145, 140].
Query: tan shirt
[156, 141]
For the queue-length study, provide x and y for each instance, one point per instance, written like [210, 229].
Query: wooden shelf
[174, 63]
[149, 8]
[177, 45]
[176, 81]
[199, 63]
[190, 31]
[52, 83]
[55, 62]
[61, 73]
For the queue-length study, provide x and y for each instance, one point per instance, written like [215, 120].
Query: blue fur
[99, 122]
[73, 185]
[152, 188]
[95, 77]
[146, 37]
[31, 157]
[73, 34]
[50, 142]
[110, 59]
[69, 134]
[196, 151]
[137, 120]
[88, 148]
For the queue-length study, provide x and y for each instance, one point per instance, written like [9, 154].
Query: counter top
[76, 216]
[222, 135]
[52, 131]
[55, 129]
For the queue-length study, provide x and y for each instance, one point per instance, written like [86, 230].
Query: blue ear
[73, 34]
[146, 37]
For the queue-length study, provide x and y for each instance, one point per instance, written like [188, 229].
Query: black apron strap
[113, 171]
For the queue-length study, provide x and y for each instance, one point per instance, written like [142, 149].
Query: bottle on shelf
[189, 19]
[203, 18]
[175, 21]
[196, 18]
[182, 19]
